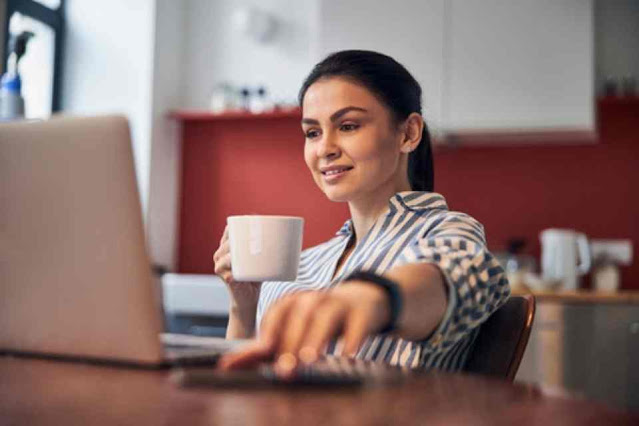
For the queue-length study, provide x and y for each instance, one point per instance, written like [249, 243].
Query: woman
[405, 280]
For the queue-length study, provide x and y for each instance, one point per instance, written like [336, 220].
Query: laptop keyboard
[331, 371]
[185, 350]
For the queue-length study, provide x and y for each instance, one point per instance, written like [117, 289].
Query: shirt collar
[346, 229]
[406, 200]
[418, 200]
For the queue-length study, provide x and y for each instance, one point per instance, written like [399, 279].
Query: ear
[412, 135]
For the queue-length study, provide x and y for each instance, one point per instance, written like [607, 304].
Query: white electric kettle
[565, 256]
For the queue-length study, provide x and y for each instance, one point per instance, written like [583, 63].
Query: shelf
[521, 137]
[454, 138]
[204, 115]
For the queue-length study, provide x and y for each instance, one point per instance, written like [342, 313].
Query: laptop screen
[76, 278]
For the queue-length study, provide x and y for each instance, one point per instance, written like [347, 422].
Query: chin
[337, 195]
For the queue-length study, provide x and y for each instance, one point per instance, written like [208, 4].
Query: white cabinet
[524, 64]
[484, 65]
[411, 31]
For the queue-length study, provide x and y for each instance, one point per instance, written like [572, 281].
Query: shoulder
[453, 224]
[436, 218]
[451, 218]
[431, 206]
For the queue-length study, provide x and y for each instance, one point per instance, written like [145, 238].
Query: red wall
[246, 165]
[255, 165]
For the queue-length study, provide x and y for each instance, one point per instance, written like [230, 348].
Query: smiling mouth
[336, 171]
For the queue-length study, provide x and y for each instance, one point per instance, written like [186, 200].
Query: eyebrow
[336, 115]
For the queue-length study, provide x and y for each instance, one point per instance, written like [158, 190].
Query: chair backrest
[502, 339]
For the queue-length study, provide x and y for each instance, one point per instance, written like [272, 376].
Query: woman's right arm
[244, 295]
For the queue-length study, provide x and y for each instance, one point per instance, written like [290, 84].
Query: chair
[502, 339]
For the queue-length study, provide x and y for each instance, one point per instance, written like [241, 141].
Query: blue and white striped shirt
[417, 227]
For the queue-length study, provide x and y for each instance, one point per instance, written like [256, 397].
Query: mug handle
[584, 254]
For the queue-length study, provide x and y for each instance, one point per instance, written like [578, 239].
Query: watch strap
[392, 290]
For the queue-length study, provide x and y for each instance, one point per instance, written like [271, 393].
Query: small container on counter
[605, 276]
[518, 266]
[607, 257]
[224, 97]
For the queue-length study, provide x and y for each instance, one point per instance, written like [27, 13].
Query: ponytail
[420, 165]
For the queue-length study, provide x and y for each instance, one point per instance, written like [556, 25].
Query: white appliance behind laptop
[75, 278]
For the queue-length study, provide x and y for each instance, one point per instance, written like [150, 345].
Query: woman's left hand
[298, 327]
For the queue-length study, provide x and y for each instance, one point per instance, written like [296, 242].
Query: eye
[311, 133]
[348, 127]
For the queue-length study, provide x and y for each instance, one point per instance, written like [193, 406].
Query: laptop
[75, 277]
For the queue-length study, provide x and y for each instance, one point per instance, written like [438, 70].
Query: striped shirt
[417, 227]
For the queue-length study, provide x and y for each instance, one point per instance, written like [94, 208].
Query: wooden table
[34, 392]
[628, 297]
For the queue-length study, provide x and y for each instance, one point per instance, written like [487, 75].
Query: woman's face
[352, 145]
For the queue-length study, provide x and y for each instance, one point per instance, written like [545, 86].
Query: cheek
[311, 159]
[376, 153]
[309, 156]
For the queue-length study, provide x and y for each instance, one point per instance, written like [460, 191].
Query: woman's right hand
[243, 294]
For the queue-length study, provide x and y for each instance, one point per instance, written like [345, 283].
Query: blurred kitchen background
[533, 105]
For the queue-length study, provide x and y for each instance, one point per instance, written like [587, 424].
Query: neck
[367, 209]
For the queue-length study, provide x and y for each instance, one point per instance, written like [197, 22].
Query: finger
[223, 264]
[222, 250]
[301, 316]
[355, 331]
[327, 323]
[225, 246]
[225, 261]
[248, 357]
[225, 234]
[274, 320]
[227, 277]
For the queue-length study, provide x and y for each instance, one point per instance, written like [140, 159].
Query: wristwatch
[392, 291]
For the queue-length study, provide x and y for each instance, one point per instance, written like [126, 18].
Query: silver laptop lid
[75, 278]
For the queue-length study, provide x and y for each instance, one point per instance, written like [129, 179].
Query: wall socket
[617, 251]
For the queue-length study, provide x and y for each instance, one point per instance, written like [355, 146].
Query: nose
[327, 147]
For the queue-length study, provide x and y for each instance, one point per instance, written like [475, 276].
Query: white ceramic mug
[265, 248]
[565, 256]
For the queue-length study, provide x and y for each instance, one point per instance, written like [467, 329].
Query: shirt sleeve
[475, 280]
